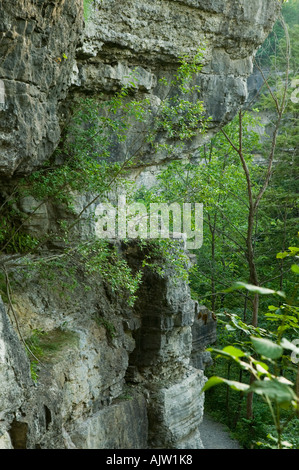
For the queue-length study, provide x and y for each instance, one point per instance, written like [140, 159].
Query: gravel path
[215, 435]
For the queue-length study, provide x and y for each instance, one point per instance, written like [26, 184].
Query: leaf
[294, 249]
[286, 344]
[214, 380]
[228, 327]
[284, 380]
[295, 268]
[234, 352]
[261, 367]
[282, 255]
[283, 443]
[274, 390]
[229, 351]
[255, 289]
[267, 348]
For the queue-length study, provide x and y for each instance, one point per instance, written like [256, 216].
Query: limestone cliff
[112, 376]
[45, 52]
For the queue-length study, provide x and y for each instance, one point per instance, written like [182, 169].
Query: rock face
[161, 360]
[152, 36]
[133, 388]
[15, 378]
[45, 53]
[80, 398]
[37, 49]
[203, 335]
[110, 376]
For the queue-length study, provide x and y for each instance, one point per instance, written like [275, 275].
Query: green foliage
[82, 265]
[264, 358]
[34, 370]
[85, 151]
[14, 239]
[216, 178]
[162, 255]
[225, 211]
[268, 52]
[3, 289]
[127, 393]
[254, 289]
[34, 343]
[109, 327]
[43, 347]
[21, 242]
[86, 8]
[99, 128]
[272, 387]
[99, 257]
[85, 163]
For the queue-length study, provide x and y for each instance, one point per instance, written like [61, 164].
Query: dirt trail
[215, 435]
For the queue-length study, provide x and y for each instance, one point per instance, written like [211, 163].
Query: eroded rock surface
[46, 56]
[109, 376]
[93, 385]
[37, 49]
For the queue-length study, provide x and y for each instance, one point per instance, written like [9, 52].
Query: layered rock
[37, 48]
[45, 54]
[15, 379]
[78, 383]
[146, 41]
[93, 385]
[109, 376]
[203, 335]
[161, 360]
